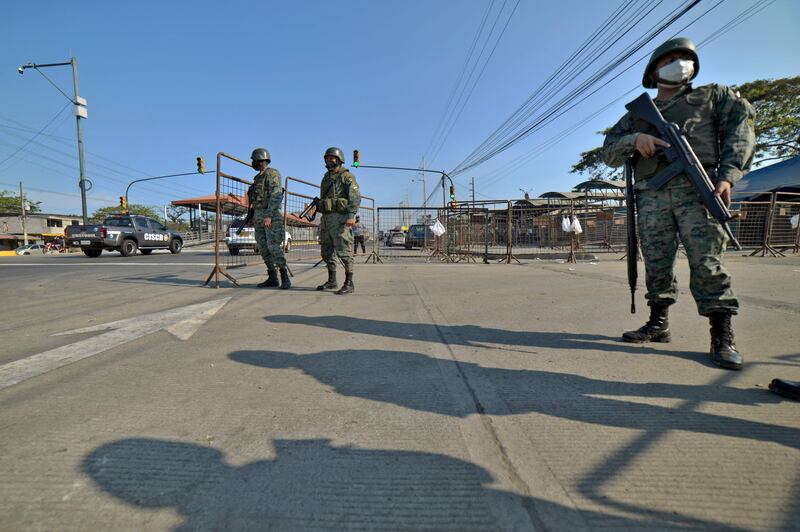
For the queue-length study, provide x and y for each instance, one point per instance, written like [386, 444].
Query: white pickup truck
[247, 239]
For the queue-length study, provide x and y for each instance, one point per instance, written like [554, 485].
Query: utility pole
[80, 111]
[24, 220]
[424, 195]
[473, 191]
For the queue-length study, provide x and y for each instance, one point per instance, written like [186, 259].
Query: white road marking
[112, 264]
[182, 322]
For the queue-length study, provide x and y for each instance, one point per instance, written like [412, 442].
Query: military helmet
[336, 152]
[678, 44]
[260, 154]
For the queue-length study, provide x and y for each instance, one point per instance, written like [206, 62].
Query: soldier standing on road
[266, 198]
[359, 235]
[339, 200]
[719, 126]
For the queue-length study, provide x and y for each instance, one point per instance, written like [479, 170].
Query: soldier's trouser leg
[343, 244]
[326, 242]
[704, 240]
[658, 237]
[275, 235]
[262, 240]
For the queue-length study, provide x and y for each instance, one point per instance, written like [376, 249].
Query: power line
[559, 107]
[36, 135]
[541, 148]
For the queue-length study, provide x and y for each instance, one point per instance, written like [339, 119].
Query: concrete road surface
[437, 397]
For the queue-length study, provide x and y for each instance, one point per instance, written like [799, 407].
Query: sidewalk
[438, 396]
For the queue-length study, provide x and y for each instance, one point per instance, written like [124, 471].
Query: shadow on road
[476, 336]
[414, 381]
[312, 485]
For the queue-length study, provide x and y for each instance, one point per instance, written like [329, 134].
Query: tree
[591, 163]
[777, 126]
[10, 203]
[100, 214]
[174, 214]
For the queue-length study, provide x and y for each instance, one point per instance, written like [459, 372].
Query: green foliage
[591, 163]
[100, 214]
[10, 203]
[777, 124]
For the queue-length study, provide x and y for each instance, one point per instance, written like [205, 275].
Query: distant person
[339, 199]
[718, 124]
[266, 198]
[359, 236]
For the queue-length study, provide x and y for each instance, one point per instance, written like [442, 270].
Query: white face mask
[676, 73]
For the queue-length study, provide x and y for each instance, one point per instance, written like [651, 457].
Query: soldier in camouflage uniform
[339, 199]
[719, 126]
[266, 199]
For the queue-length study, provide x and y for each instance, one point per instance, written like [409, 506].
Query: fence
[509, 230]
[301, 241]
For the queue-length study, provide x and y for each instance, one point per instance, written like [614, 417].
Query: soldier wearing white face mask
[719, 127]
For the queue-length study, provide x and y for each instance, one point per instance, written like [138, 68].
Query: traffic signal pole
[159, 177]
[417, 170]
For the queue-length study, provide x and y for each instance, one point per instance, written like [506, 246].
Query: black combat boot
[285, 282]
[272, 279]
[655, 330]
[347, 287]
[723, 348]
[331, 283]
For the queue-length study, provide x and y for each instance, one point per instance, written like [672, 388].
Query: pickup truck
[125, 233]
[247, 239]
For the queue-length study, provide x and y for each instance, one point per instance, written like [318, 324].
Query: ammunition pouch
[331, 205]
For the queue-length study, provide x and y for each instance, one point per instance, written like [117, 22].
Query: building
[39, 227]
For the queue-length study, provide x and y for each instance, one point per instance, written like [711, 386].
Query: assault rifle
[247, 220]
[310, 212]
[682, 160]
[633, 239]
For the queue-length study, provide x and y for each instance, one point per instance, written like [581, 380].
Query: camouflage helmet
[336, 152]
[260, 154]
[678, 44]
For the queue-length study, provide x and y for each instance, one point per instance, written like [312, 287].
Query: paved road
[463, 396]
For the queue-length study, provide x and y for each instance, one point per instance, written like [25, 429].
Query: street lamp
[80, 112]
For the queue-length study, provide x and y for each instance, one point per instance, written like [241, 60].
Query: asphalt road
[437, 397]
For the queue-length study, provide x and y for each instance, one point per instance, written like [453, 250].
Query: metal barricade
[405, 233]
[231, 250]
[304, 234]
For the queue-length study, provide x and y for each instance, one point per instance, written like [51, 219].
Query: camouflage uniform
[339, 202]
[266, 197]
[719, 127]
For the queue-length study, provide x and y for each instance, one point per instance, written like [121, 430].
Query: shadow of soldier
[476, 336]
[414, 381]
[312, 485]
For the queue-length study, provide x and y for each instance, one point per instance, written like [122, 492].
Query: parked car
[30, 249]
[247, 239]
[395, 238]
[419, 236]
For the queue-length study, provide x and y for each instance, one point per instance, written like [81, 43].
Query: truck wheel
[175, 245]
[233, 251]
[128, 247]
[146, 251]
[93, 253]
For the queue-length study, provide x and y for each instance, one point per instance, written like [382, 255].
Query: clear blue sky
[168, 81]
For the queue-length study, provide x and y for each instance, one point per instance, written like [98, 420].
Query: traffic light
[201, 166]
[123, 203]
[453, 202]
[355, 158]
